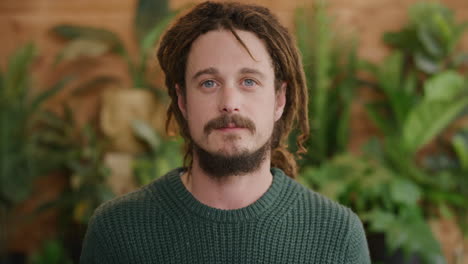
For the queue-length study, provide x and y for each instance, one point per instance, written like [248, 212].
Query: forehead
[221, 50]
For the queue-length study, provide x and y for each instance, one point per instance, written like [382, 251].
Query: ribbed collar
[183, 198]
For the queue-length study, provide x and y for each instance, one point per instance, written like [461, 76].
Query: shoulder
[322, 212]
[148, 199]
[316, 203]
[334, 222]
[322, 205]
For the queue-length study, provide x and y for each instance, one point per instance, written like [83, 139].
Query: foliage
[414, 113]
[416, 109]
[430, 38]
[151, 19]
[450, 166]
[422, 93]
[79, 152]
[20, 164]
[413, 117]
[52, 252]
[162, 155]
[149, 13]
[331, 72]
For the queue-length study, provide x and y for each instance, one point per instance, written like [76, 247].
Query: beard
[219, 165]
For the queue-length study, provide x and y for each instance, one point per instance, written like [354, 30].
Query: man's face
[230, 104]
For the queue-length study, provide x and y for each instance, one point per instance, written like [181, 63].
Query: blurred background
[82, 115]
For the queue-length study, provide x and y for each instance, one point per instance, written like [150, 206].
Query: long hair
[175, 46]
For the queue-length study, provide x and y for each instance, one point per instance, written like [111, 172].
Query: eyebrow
[252, 71]
[209, 70]
[212, 70]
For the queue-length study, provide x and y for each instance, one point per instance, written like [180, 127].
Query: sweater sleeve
[357, 248]
[94, 246]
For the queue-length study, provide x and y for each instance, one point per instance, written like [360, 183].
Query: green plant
[331, 73]
[79, 152]
[19, 162]
[392, 190]
[450, 165]
[416, 109]
[430, 38]
[151, 18]
[52, 252]
[410, 119]
[162, 154]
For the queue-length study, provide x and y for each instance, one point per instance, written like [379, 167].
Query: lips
[230, 126]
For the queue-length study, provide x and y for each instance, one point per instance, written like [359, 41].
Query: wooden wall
[25, 20]
[31, 20]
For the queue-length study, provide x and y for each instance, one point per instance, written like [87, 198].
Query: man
[237, 88]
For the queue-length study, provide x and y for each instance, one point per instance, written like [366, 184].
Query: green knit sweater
[164, 223]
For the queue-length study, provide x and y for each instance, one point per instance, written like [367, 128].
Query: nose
[230, 100]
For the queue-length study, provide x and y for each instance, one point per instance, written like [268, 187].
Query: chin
[231, 152]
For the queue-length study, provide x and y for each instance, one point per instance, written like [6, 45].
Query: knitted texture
[164, 223]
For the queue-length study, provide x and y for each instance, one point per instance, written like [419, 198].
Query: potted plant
[423, 93]
[122, 105]
[20, 161]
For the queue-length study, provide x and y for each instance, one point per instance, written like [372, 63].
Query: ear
[181, 101]
[280, 101]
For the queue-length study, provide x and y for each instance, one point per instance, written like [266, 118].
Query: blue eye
[209, 84]
[249, 82]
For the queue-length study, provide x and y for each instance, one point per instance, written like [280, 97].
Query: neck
[229, 193]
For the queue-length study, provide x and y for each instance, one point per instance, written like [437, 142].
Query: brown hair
[175, 47]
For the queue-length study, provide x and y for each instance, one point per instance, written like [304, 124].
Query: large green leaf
[148, 14]
[428, 119]
[444, 86]
[82, 48]
[426, 63]
[146, 133]
[405, 40]
[147, 45]
[104, 36]
[96, 83]
[39, 99]
[321, 80]
[154, 33]
[390, 73]
[430, 42]
[405, 192]
[400, 91]
[460, 145]
[16, 76]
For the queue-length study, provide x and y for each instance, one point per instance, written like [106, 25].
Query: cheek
[198, 114]
[264, 115]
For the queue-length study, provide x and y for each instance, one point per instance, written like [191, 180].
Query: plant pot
[121, 180]
[122, 106]
[13, 258]
[379, 252]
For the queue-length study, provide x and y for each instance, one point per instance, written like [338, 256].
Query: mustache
[224, 121]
